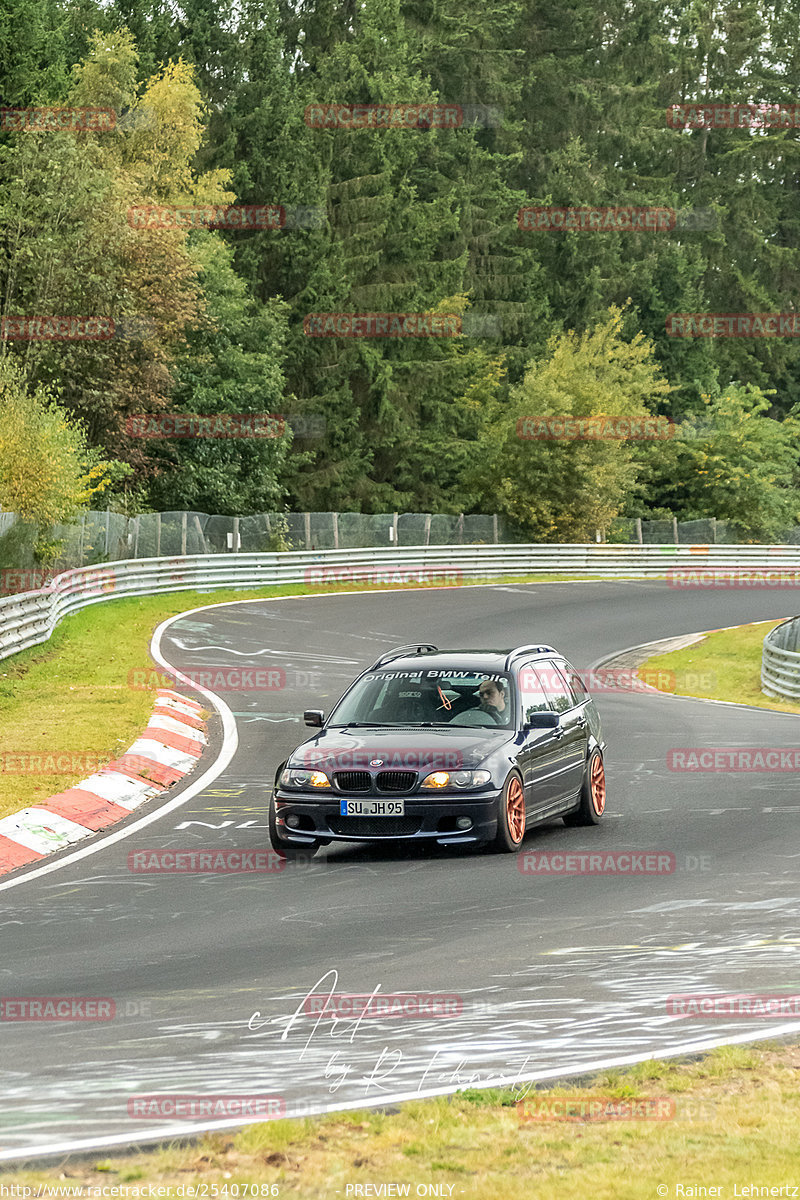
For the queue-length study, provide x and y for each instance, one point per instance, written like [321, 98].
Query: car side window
[574, 681]
[555, 688]
[532, 693]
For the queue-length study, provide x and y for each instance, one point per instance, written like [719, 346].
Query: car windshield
[428, 697]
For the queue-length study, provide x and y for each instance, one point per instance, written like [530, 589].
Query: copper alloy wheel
[597, 782]
[515, 810]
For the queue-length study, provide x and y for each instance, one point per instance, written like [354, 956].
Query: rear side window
[574, 681]
[555, 687]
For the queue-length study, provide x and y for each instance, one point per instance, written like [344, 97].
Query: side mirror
[542, 720]
[315, 717]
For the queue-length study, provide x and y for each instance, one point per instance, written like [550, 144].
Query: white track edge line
[230, 742]
[182, 1130]
[609, 658]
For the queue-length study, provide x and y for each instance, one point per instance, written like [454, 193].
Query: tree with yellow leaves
[70, 198]
[46, 472]
[558, 479]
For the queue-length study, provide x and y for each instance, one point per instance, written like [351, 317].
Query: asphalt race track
[557, 974]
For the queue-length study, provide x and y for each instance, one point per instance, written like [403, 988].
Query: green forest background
[211, 96]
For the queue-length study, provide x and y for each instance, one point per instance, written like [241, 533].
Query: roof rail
[520, 650]
[399, 651]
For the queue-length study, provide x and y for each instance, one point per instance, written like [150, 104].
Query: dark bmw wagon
[445, 746]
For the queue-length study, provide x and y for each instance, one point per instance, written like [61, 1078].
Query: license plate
[372, 808]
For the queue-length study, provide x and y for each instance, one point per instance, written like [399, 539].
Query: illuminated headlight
[304, 779]
[436, 779]
[455, 779]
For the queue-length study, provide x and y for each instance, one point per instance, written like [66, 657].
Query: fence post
[201, 536]
[335, 530]
[714, 530]
[307, 524]
[639, 530]
[108, 534]
[158, 535]
[675, 529]
[184, 517]
[494, 528]
[461, 529]
[80, 543]
[427, 529]
[394, 529]
[136, 538]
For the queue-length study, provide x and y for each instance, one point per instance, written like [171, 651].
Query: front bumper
[424, 820]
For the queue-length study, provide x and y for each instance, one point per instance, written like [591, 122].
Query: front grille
[396, 781]
[353, 781]
[375, 826]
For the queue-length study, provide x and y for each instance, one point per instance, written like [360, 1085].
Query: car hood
[399, 748]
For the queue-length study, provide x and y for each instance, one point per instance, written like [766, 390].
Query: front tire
[287, 850]
[593, 793]
[511, 818]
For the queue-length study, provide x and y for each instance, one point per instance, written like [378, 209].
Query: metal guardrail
[780, 661]
[29, 618]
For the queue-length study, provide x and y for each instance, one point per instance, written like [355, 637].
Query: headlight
[455, 779]
[291, 777]
[436, 779]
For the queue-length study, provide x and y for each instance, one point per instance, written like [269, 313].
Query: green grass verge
[69, 698]
[736, 1116]
[726, 665]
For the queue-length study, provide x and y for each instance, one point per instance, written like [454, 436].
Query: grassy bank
[726, 665]
[734, 1116]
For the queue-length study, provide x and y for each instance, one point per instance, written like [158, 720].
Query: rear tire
[287, 850]
[511, 818]
[593, 793]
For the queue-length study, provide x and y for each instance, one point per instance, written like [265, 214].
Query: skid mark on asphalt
[190, 647]
[518, 1027]
[272, 718]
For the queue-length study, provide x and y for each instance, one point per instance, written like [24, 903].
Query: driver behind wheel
[493, 700]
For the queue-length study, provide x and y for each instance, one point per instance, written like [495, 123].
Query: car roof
[463, 660]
